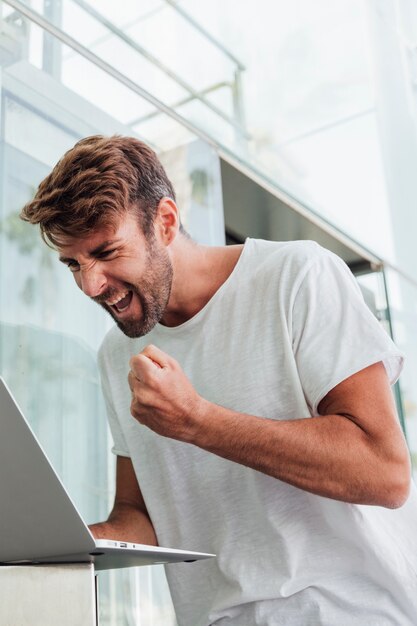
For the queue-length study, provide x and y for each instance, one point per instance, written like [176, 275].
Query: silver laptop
[38, 521]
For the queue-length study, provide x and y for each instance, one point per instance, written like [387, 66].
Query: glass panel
[403, 307]
[49, 331]
[308, 92]
[374, 290]
[313, 73]
[309, 100]
[142, 43]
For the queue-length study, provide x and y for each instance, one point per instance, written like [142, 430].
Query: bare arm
[129, 519]
[354, 451]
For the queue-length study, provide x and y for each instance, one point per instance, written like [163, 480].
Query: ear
[167, 221]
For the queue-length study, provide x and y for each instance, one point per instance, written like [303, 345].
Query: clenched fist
[162, 396]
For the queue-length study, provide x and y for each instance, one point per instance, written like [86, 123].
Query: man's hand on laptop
[129, 519]
[126, 524]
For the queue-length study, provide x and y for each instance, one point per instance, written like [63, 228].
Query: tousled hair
[94, 184]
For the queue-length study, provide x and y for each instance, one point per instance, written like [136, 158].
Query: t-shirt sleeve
[334, 333]
[120, 447]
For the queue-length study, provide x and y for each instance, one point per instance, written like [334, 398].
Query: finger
[138, 365]
[131, 379]
[157, 356]
[144, 369]
[136, 387]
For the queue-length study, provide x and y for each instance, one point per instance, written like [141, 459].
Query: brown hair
[94, 184]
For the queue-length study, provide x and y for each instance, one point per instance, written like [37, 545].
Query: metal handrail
[141, 50]
[179, 103]
[252, 171]
[108, 69]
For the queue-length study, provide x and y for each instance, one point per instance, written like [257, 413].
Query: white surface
[47, 596]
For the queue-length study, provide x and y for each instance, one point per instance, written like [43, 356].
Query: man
[248, 392]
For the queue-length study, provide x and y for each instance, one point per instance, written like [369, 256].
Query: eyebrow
[95, 251]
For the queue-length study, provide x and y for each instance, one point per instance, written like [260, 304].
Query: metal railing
[109, 69]
[236, 121]
[54, 34]
[236, 159]
[236, 85]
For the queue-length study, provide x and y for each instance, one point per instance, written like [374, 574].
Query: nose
[92, 281]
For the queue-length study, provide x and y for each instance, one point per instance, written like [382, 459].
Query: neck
[199, 271]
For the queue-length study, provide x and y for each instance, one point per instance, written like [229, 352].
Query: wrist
[100, 530]
[199, 418]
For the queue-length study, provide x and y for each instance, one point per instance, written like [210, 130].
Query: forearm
[353, 451]
[128, 524]
[327, 455]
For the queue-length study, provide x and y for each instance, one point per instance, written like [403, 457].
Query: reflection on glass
[49, 331]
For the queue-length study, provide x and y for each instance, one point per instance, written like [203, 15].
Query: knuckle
[134, 361]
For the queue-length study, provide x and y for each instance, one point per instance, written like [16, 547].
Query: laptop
[39, 523]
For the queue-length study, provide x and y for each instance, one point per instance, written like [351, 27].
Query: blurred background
[273, 119]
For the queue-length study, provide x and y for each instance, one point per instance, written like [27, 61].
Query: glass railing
[403, 312]
[51, 95]
[301, 114]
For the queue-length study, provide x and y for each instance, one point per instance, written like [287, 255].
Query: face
[127, 274]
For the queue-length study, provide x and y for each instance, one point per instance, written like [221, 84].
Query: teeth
[116, 300]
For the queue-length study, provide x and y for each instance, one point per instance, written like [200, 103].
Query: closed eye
[73, 265]
[105, 253]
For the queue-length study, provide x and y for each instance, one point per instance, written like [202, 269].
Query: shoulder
[283, 251]
[287, 260]
[290, 269]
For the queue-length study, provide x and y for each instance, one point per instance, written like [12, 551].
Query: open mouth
[123, 303]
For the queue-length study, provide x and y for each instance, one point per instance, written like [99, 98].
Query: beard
[152, 291]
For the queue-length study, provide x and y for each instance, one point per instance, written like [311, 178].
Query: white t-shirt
[286, 327]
